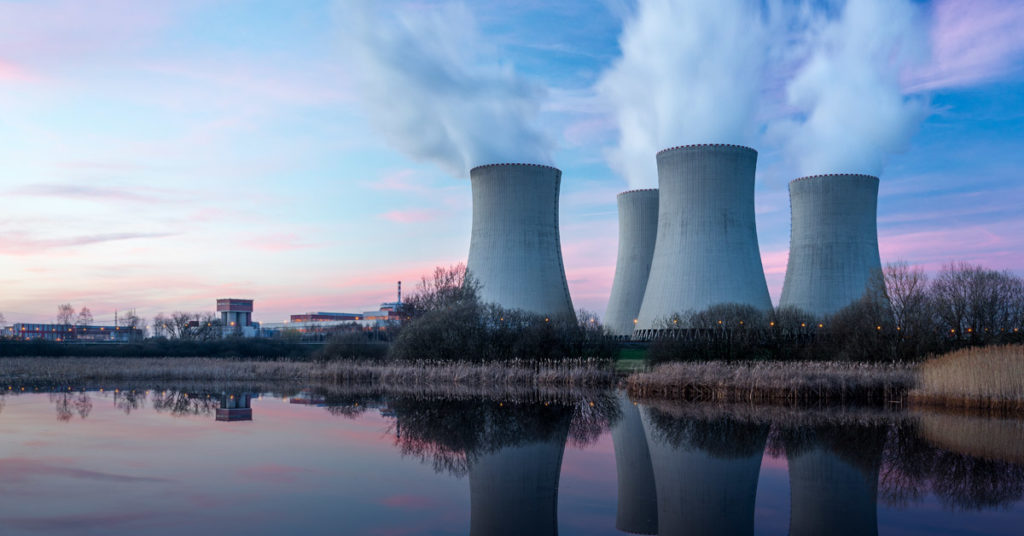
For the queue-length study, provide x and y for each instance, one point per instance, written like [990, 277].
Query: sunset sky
[158, 155]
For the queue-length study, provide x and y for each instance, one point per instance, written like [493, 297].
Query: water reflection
[680, 468]
[833, 474]
[637, 504]
[705, 472]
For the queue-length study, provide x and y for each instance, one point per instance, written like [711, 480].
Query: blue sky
[160, 155]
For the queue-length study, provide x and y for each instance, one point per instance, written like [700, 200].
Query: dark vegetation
[159, 347]
[446, 321]
[902, 317]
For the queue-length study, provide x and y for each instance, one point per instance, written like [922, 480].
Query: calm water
[206, 460]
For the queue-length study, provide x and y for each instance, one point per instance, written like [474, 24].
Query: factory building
[638, 229]
[515, 252]
[71, 333]
[833, 248]
[236, 317]
[706, 250]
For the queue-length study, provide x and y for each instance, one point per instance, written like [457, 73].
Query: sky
[159, 155]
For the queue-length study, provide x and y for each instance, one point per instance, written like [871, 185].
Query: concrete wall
[515, 252]
[638, 503]
[706, 251]
[833, 247]
[638, 228]
[514, 490]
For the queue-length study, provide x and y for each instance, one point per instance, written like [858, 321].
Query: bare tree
[65, 314]
[3, 321]
[447, 287]
[134, 324]
[84, 317]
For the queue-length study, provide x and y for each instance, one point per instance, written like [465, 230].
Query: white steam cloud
[432, 90]
[690, 72]
[852, 113]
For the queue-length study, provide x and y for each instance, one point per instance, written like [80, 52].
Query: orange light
[821, 325]
[879, 328]
[803, 324]
[771, 324]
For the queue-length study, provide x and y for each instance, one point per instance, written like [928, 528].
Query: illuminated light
[634, 321]
[591, 404]
[970, 330]
[501, 404]
[741, 322]
[772, 324]
[821, 325]
[232, 397]
[879, 328]
[803, 324]
[719, 321]
[546, 319]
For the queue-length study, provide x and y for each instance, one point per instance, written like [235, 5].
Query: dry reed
[981, 437]
[775, 382]
[567, 373]
[987, 378]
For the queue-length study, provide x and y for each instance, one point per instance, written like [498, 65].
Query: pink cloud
[23, 244]
[399, 181]
[410, 216]
[973, 41]
[10, 72]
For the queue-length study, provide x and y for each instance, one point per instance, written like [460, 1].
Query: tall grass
[979, 436]
[561, 373]
[775, 382]
[989, 378]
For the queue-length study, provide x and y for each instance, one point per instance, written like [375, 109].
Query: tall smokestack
[399, 293]
[514, 252]
[706, 251]
[638, 227]
[833, 246]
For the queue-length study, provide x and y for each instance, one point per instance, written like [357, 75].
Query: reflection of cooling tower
[638, 504]
[703, 492]
[706, 251]
[830, 496]
[515, 490]
[833, 246]
[514, 252]
[638, 227]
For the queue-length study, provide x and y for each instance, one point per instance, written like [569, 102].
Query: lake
[255, 460]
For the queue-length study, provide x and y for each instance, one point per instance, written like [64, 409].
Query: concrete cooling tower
[638, 227]
[833, 246]
[514, 252]
[706, 250]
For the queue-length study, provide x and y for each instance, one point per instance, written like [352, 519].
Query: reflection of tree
[67, 404]
[129, 401]
[721, 437]
[912, 467]
[450, 433]
[181, 403]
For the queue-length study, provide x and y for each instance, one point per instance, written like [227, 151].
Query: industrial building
[638, 229]
[514, 252]
[236, 317]
[706, 250]
[833, 247]
[71, 333]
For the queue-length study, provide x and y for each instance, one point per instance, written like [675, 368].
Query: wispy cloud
[973, 42]
[79, 191]
[15, 243]
[410, 216]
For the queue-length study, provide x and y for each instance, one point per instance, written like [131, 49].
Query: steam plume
[690, 72]
[852, 112]
[432, 91]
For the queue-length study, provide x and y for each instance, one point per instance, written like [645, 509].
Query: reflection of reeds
[775, 382]
[990, 378]
[982, 437]
[566, 373]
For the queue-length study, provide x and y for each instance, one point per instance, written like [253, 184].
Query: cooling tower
[833, 246]
[638, 227]
[514, 252]
[637, 501]
[514, 490]
[706, 250]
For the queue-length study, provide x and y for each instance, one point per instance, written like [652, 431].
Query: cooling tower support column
[833, 246]
[515, 253]
[638, 227]
[706, 251]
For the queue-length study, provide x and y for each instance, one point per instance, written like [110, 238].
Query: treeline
[446, 320]
[903, 316]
